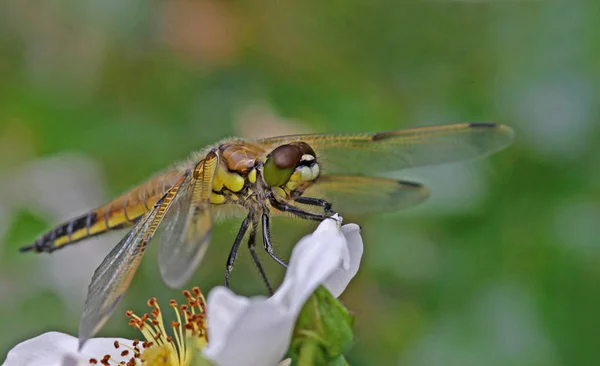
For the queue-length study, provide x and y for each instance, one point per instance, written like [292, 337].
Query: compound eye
[280, 164]
[286, 156]
[305, 148]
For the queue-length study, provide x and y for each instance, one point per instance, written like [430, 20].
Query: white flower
[241, 330]
[54, 348]
[187, 337]
[257, 331]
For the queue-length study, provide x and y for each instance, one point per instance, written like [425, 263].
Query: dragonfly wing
[361, 195]
[358, 153]
[112, 278]
[186, 233]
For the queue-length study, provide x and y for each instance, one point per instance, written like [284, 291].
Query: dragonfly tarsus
[282, 206]
[267, 239]
[316, 202]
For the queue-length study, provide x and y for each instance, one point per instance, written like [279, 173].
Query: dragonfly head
[292, 165]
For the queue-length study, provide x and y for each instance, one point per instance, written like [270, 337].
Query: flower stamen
[159, 348]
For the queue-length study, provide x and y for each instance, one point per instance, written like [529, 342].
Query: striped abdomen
[121, 212]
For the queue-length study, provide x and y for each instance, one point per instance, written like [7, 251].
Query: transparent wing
[186, 232]
[112, 278]
[358, 153]
[361, 195]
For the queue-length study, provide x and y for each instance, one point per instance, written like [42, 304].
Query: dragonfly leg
[267, 239]
[316, 202]
[252, 248]
[234, 249]
[285, 207]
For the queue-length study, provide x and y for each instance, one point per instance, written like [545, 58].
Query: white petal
[256, 334]
[55, 348]
[337, 282]
[98, 347]
[257, 331]
[225, 309]
[46, 349]
[313, 260]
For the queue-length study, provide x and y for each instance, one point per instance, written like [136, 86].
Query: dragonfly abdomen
[119, 213]
[71, 232]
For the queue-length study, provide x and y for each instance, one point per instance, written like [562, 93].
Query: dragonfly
[308, 176]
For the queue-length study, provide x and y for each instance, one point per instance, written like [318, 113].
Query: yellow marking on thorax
[252, 176]
[232, 181]
[217, 199]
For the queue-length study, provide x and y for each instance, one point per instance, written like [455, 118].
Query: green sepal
[323, 331]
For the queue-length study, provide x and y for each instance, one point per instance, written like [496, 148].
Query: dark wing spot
[483, 124]
[410, 184]
[382, 135]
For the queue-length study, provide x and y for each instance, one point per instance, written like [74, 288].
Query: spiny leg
[316, 202]
[235, 247]
[252, 248]
[285, 207]
[267, 239]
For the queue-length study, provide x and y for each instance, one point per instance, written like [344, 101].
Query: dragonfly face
[291, 167]
[306, 176]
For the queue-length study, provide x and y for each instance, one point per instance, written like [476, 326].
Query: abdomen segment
[121, 212]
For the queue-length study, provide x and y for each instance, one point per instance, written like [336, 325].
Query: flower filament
[187, 339]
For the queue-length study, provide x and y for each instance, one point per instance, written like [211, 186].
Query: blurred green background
[500, 267]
